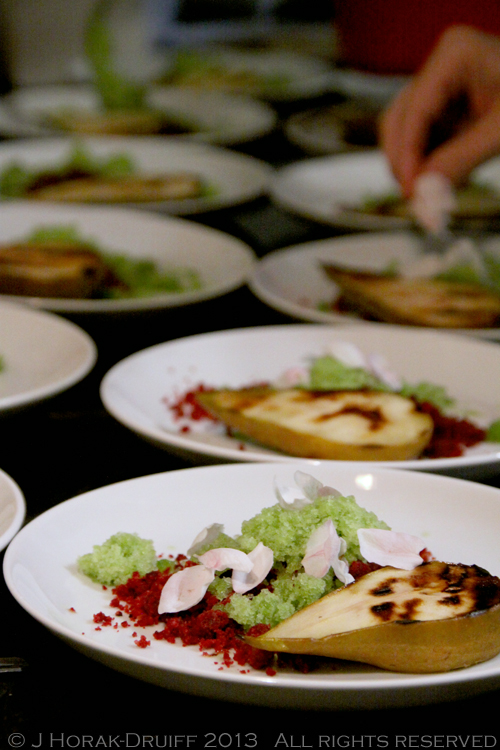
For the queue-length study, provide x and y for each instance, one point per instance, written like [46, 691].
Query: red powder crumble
[187, 406]
[451, 435]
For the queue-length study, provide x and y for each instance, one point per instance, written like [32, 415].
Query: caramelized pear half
[337, 425]
[435, 618]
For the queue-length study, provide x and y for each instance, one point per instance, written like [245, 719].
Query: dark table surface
[68, 445]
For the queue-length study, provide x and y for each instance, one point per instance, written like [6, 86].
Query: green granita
[114, 561]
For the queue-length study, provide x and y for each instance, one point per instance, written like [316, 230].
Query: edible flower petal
[347, 353]
[311, 488]
[433, 201]
[262, 559]
[323, 551]
[206, 536]
[226, 557]
[394, 548]
[377, 364]
[185, 589]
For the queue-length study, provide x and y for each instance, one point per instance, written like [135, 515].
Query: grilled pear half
[434, 618]
[338, 425]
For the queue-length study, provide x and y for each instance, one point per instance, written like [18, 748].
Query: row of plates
[39, 564]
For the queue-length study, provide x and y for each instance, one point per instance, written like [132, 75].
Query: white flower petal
[223, 558]
[397, 549]
[207, 536]
[324, 550]
[262, 561]
[347, 353]
[433, 201]
[379, 367]
[290, 498]
[322, 545]
[309, 485]
[185, 589]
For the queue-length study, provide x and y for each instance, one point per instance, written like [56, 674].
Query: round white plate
[218, 118]
[328, 189]
[374, 87]
[42, 354]
[139, 390]
[232, 178]
[222, 261]
[278, 75]
[292, 279]
[322, 131]
[458, 520]
[12, 509]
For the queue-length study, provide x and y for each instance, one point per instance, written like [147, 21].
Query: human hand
[464, 63]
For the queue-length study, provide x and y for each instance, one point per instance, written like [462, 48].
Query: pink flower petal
[206, 536]
[397, 549]
[324, 550]
[226, 557]
[262, 558]
[185, 589]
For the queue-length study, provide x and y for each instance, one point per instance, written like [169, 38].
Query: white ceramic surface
[232, 178]
[217, 118]
[458, 520]
[222, 261]
[138, 390]
[292, 279]
[327, 188]
[12, 509]
[42, 355]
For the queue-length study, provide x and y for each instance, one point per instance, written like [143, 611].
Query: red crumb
[451, 435]
[187, 406]
[101, 619]
[142, 642]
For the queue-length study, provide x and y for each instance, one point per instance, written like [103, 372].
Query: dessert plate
[214, 117]
[292, 279]
[12, 509]
[41, 355]
[229, 178]
[334, 189]
[143, 391]
[221, 262]
[459, 521]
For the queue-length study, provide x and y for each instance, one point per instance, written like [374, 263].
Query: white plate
[322, 131]
[233, 178]
[374, 87]
[292, 280]
[137, 390]
[222, 261]
[299, 76]
[459, 521]
[327, 189]
[218, 118]
[42, 355]
[12, 509]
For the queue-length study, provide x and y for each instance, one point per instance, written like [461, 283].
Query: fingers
[453, 68]
[459, 156]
